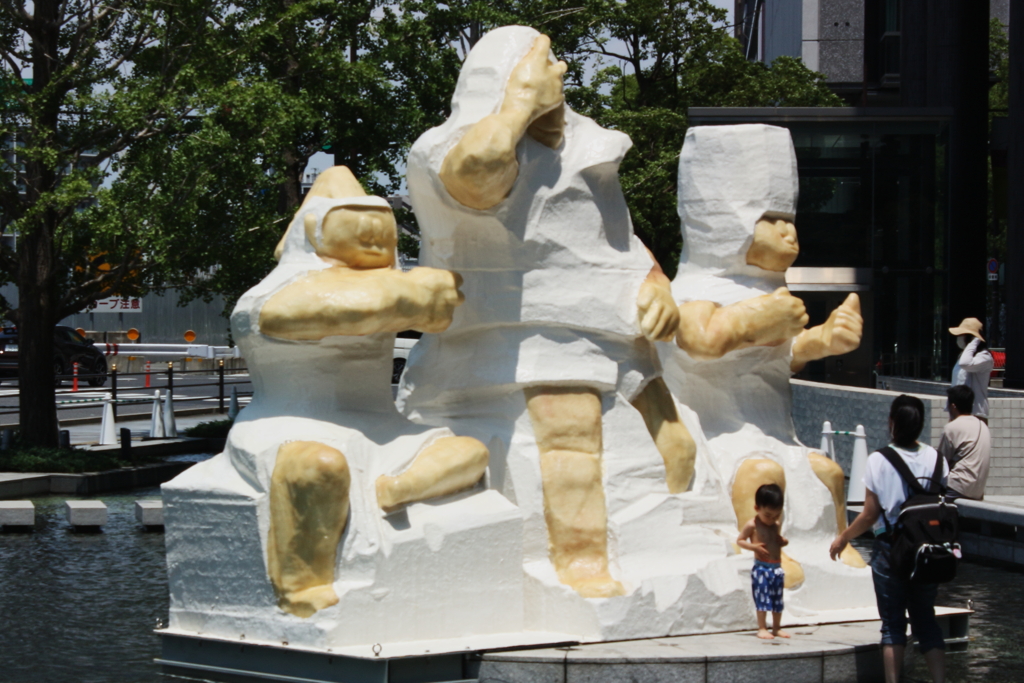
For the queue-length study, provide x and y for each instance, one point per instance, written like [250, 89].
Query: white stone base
[149, 512]
[85, 512]
[17, 513]
[446, 569]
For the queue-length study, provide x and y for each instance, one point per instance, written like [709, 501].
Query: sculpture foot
[794, 572]
[599, 587]
[388, 495]
[307, 602]
[590, 578]
[851, 558]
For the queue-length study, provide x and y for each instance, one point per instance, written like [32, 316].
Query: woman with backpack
[884, 496]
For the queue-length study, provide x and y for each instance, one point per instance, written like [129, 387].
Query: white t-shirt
[881, 478]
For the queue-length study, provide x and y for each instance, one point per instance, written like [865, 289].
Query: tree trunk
[37, 308]
[37, 298]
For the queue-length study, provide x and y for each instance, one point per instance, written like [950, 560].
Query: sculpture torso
[553, 269]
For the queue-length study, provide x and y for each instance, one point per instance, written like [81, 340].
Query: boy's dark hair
[907, 418]
[769, 496]
[962, 396]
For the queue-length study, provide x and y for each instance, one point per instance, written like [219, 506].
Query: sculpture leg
[309, 501]
[677, 447]
[831, 474]
[750, 476]
[446, 466]
[567, 426]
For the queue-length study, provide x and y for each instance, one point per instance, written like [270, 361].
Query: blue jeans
[896, 598]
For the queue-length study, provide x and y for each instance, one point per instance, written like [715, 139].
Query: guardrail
[223, 382]
[204, 351]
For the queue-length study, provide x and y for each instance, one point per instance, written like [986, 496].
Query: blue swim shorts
[767, 579]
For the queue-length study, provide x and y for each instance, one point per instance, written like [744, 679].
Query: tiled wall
[846, 407]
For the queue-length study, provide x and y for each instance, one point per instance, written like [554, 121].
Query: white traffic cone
[108, 432]
[170, 429]
[156, 420]
[859, 464]
[233, 405]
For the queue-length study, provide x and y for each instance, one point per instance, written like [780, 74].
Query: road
[188, 393]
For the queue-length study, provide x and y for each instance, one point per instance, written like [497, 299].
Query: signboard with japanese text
[116, 305]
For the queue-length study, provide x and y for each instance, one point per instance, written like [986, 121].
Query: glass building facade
[872, 219]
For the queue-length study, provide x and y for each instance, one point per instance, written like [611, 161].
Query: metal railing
[152, 381]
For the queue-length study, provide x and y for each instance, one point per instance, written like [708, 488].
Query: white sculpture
[282, 537]
[737, 200]
[549, 362]
[334, 523]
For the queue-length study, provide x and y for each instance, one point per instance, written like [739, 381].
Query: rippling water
[81, 608]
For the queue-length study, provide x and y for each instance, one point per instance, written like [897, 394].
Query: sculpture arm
[340, 301]
[841, 333]
[481, 168]
[707, 330]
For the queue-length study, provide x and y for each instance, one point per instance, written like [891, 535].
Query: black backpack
[924, 547]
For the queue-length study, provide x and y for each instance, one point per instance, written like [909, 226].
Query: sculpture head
[480, 90]
[359, 237]
[354, 229]
[738, 188]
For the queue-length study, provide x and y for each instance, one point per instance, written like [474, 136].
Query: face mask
[961, 341]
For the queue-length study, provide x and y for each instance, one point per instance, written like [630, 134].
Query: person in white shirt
[965, 445]
[975, 364]
[884, 493]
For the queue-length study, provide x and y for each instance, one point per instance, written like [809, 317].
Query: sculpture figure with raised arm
[737, 201]
[510, 145]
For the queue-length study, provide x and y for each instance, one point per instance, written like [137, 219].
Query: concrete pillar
[944, 63]
[1014, 377]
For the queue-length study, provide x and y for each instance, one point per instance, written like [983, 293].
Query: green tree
[648, 61]
[72, 98]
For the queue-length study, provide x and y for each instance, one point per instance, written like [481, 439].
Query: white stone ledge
[85, 512]
[149, 512]
[17, 513]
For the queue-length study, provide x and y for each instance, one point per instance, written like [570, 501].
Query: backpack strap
[935, 485]
[903, 469]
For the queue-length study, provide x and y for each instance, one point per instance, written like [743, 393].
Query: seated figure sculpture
[737, 200]
[318, 334]
[520, 194]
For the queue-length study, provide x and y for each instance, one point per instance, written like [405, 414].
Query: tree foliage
[162, 143]
[639, 65]
[72, 98]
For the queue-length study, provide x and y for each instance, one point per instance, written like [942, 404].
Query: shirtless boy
[763, 535]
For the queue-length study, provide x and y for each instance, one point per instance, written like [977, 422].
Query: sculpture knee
[302, 463]
[565, 418]
[750, 476]
[828, 471]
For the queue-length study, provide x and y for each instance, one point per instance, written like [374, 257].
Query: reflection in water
[82, 607]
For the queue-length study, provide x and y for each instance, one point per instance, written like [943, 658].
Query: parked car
[69, 348]
[404, 341]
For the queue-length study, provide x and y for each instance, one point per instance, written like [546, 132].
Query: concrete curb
[28, 485]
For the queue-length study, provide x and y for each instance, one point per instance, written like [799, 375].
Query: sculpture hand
[842, 332]
[435, 293]
[535, 85]
[783, 316]
[658, 312]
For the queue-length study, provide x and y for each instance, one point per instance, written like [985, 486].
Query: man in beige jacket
[965, 445]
